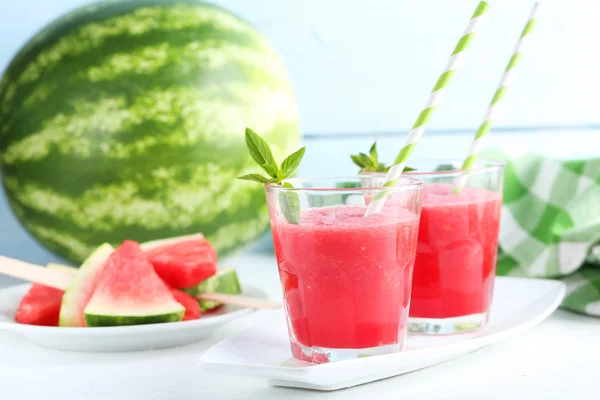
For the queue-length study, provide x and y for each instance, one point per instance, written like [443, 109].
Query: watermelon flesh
[192, 307]
[82, 287]
[40, 306]
[182, 261]
[130, 292]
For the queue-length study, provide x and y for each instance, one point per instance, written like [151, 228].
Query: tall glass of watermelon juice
[346, 278]
[457, 246]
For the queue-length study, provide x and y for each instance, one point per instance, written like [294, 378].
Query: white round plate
[119, 338]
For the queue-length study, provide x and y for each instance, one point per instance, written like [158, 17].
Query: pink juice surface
[456, 252]
[346, 278]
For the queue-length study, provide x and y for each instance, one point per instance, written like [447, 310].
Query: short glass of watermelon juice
[457, 246]
[346, 278]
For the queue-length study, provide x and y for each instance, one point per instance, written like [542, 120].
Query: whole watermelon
[125, 120]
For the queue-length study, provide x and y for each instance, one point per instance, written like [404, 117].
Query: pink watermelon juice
[346, 278]
[456, 252]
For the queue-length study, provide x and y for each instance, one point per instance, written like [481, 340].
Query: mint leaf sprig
[370, 162]
[261, 153]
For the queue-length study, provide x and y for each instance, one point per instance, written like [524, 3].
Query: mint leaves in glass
[346, 278]
[262, 154]
[370, 163]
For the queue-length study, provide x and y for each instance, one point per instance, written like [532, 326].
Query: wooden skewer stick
[61, 279]
[34, 273]
[242, 301]
[71, 271]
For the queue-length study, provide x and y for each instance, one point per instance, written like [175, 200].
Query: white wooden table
[556, 360]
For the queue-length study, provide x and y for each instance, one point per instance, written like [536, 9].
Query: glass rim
[492, 165]
[408, 183]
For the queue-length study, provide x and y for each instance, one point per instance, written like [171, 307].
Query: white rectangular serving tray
[263, 351]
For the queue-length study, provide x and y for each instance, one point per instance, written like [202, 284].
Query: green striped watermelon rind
[154, 174]
[102, 311]
[103, 318]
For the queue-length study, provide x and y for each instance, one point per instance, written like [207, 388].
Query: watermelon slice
[82, 287]
[225, 281]
[41, 304]
[192, 308]
[182, 261]
[131, 293]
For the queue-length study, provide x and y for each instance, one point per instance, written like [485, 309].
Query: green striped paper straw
[434, 99]
[506, 80]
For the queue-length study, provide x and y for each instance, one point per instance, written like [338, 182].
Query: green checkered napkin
[550, 225]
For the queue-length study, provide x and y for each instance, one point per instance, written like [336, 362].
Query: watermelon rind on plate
[106, 316]
[82, 287]
[224, 281]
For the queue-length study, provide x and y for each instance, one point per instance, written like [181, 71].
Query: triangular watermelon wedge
[131, 293]
[82, 287]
